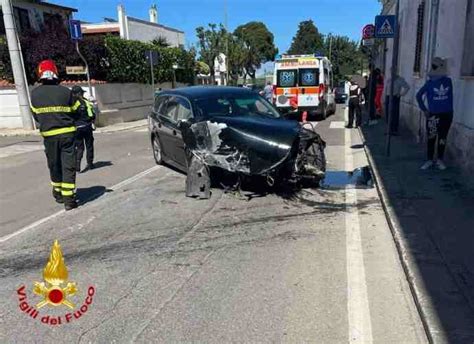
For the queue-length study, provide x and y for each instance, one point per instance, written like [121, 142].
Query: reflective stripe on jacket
[85, 113]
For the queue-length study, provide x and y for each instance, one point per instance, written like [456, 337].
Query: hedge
[127, 62]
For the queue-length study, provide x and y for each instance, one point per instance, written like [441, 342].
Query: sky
[341, 17]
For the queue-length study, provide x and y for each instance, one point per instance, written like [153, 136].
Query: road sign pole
[392, 79]
[152, 73]
[87, 68]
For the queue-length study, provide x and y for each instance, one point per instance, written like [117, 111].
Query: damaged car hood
[248, 144]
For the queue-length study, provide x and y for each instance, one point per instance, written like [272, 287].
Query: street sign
[74, 70]
[368, 31]
[75, 29]
[385, 26]
[152, 56]
[368, 42]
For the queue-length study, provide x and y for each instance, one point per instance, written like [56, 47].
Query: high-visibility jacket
[54, 110]
[85, 113]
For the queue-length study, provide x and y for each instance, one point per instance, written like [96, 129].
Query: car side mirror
[185, 123]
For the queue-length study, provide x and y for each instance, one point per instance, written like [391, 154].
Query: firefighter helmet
[47, 70]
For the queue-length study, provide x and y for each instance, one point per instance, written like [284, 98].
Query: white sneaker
[428, 164]
[440, 165]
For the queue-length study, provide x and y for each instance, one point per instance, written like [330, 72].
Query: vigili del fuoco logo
[55, 292]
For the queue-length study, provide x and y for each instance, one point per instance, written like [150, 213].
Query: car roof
[195, 92]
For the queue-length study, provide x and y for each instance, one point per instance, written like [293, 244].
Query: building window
[22, 19]
[467, 68]
[419, 37]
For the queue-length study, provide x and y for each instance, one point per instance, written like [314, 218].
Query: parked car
[234, 129]
[340, 95]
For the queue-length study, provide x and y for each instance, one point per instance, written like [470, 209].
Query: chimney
[153, 14]
[122, 21]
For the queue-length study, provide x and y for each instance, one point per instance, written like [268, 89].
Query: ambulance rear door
[286, 86]
[308, 93]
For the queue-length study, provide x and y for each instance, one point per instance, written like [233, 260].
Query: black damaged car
[234, 129]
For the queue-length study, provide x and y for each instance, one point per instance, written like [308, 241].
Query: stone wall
[10, 116]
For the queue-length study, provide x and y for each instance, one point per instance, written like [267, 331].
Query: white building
[136, 29]
[430, 28]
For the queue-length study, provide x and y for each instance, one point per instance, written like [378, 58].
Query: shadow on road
[86, 195]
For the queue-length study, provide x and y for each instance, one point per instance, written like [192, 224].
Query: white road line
[337, 125]
[52, 216]
[360, 327]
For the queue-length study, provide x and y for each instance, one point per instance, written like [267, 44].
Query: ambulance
[303, 83]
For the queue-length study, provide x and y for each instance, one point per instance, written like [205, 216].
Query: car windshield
[235, 105]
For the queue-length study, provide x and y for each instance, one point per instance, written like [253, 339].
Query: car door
[167, 128]
[183, 113]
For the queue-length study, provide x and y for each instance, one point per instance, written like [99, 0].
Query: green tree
[211, 42]
[259, 45]
[346, 56]
[237, 58]
[307, 40]
[161, 42]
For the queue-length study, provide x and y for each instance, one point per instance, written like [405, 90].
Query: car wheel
[157, 152]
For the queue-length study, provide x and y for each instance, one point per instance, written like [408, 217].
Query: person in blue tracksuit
[435, 99]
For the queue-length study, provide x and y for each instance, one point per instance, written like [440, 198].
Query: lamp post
[175, 66]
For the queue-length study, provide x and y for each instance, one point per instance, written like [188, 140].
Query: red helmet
[47, 70]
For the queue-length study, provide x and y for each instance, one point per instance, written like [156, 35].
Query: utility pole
[17, 65]
[226, 44]
[330, 46]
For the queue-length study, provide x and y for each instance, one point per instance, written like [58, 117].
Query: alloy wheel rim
[156, 149]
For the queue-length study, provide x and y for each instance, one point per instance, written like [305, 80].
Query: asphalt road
[318, 266]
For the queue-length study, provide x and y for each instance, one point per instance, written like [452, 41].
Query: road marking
[360, 327]
[52, 216]
[18, 149]
[337, 125]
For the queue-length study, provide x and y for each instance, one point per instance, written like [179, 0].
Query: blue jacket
[439, 95]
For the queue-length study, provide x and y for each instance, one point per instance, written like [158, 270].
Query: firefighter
[54, 111]
[84, 135]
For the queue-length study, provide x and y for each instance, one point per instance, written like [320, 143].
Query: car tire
[157, 151]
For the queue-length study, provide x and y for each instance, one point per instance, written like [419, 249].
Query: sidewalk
[431, 214]
[108, 129]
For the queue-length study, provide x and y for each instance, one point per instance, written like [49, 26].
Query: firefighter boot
[69, 202]
[57, 196]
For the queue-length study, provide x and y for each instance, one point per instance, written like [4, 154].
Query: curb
[431, 325]
[20, 133]
[99, 131]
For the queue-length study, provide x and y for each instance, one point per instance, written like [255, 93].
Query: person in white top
[400, 88]
[355, 100]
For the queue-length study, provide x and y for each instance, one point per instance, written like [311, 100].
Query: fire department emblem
[55, 275]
